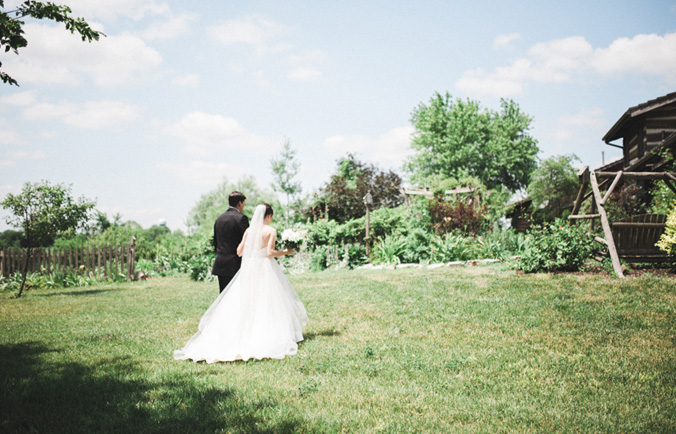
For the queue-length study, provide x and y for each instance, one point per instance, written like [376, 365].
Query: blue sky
[180, 95]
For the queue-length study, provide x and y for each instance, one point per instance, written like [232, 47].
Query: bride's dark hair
[268, 210]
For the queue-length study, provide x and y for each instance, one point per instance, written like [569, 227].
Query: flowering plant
[293, 238]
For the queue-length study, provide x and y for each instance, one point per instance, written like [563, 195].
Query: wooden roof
[618, 130]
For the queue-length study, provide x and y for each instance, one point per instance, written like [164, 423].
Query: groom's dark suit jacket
[228, 231]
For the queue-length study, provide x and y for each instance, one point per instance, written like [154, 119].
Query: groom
[228, 231]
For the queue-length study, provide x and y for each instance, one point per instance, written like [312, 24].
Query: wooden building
[643, 128]
[647, 131]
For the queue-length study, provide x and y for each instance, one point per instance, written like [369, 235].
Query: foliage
[342, 198]
[455, 138]
[629, 199]
[556, 247]
[285, 168]
[457, 215]
[389, 250]
[11, 238]
[662, 198]
[667, 242]
[55, 279]
[11, 28]
[452, 247]
[210, 205]
[553, 186]
[43, 211]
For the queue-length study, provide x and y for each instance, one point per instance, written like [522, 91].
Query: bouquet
[293, 238]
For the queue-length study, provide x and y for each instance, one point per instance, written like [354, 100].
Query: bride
[258, 315]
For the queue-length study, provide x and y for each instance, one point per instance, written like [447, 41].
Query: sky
[180, 96]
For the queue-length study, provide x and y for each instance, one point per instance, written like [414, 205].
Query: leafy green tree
[11, 26]
[553, 185]
[343, 196]
[43, 211]
[10, 238]
[285, 168]
[210, 205]
[456, 138]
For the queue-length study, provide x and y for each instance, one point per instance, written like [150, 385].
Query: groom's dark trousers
[228, 232]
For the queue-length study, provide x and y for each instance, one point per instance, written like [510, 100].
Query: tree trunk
[25, 271]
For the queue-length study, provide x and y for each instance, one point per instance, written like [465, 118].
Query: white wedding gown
[258, 315]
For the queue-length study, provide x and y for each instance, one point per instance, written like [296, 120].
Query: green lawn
[395, 351]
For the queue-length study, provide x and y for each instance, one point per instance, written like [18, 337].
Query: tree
[456, 138]
[343, 195]
[11, 28]
[43, 211]
[553, 185]
[210, 205]
[284, 170]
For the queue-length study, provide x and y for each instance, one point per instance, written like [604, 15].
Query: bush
[452, 247]
[556, 247]
[456, 216]
[667, 242]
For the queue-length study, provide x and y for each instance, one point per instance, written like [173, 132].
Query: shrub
[389, 250]
[455, 216]
[451, 247]
[667, 242]
[556, 247]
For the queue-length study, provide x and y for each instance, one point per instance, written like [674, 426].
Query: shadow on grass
[75, 291]
[321, 333]
[37, 395]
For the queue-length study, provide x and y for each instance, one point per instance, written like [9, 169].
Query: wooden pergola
[648, 131]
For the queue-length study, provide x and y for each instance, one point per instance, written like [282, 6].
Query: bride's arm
[272, 253]
[240, 248]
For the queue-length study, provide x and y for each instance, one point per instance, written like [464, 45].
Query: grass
[471, 350]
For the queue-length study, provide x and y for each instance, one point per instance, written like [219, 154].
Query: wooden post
[606, 227]
[368, 201]
[611, 188]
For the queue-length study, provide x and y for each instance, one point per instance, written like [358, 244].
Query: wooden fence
[100, 260]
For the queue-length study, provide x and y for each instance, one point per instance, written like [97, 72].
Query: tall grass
[477, 350]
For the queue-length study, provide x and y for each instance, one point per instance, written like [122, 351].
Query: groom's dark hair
[235, 198]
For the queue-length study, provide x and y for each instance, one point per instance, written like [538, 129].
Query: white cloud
[189, 80]
[387, 150]
[304, 66]
[23, 155]
[101, 114]
[263, 83]
[565, 59]
[201, 173]
[170, 27]
[505, 41]
[583, 129]
[259, 33]
[592, 117]
[19, 99]
[88, 115]
[644, 54]
[305, 74]
[113, 9]
[8, 136]
[54, 56]
[207, 134]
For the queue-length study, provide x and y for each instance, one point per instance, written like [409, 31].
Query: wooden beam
[612, 187]
[579, 198]
[600, 240]
[607, 231]
[638, 225]
[637, 175]
[583, 216]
